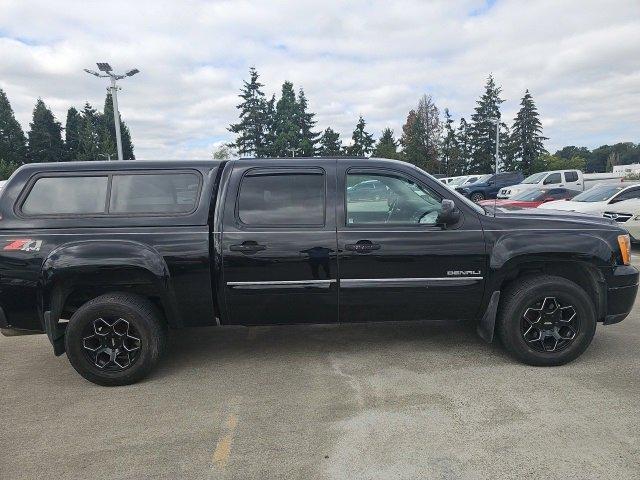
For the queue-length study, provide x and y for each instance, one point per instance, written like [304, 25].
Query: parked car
[135, 249]
[597, 199]
[571, 179]
[627, 214]
[368, 190]
[488, 186]
[470, 179]
[532, 198]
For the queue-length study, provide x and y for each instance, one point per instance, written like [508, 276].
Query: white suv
[571, 179]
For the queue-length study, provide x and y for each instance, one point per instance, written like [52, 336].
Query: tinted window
[282, 199]
[553, 178]
[571, 176]
[397, 201]
[627, 195]
[154, 193]
[67, 195]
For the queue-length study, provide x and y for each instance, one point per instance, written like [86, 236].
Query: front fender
[515, 247]
[104, 265]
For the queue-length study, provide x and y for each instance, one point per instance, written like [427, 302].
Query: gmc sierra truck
[106, 258]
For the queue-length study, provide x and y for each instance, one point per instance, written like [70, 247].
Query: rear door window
[272, 198]
[175, 193]
[571, 176]
[81, 195]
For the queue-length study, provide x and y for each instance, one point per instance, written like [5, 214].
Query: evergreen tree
[7, 169]
[483, 129]
[526, 140]
[387, 146]
[429, 116]
[270, 128]
[421, 135]
[465, 152]
[287, 130]
[45, 136]
[250, 130]
[412, 140]
[450, 152]
[107, 133]
[308, 138]
[89, 144]
[13, 144]
[330, 145]
[72, 131]
[362, 141]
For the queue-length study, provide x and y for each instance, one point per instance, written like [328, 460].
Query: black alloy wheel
[111, 344]
[545, 320]
[549, 326]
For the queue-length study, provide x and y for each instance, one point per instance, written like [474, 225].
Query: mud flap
[487, 324]
[55, 334]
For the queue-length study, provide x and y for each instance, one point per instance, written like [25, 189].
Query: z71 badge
[23, 245]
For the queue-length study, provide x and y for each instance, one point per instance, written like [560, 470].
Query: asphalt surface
[395, 401]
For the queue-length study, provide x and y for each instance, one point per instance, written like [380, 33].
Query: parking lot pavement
[397, 401]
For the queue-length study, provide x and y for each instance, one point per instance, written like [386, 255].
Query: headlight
[624, 241]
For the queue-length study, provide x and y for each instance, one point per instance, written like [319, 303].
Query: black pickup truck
[107, 257]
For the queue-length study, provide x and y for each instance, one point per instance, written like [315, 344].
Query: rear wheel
[546, 320]
[115, 339]
[477, 197]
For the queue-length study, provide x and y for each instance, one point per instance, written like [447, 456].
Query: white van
[571, 179]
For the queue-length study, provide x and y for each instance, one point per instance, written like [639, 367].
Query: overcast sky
[580, 59]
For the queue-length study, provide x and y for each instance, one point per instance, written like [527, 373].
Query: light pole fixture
[108, 73]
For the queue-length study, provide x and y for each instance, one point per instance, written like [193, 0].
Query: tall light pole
[108, 73]
[497, 122]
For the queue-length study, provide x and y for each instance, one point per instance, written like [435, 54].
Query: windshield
[484, 178]
[530, 195]
[599, 193]
[535, 178]
[457, 181]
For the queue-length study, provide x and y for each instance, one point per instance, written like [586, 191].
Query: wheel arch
[77, 272]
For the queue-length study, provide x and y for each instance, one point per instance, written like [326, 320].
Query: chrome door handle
[362, 246]
[247, 247]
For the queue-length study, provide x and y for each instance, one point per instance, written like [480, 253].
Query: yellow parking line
[223, 447]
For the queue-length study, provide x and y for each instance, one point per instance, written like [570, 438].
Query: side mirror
[491, 182]
[449, 215]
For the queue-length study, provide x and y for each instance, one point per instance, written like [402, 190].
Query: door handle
[247, 247]
[363, 246]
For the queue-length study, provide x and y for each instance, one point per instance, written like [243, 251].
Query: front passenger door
[395, 262]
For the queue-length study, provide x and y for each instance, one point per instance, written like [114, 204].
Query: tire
[476, 197]
[528, 303]
[130, 324]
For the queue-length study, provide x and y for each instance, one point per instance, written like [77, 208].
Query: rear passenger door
[279, 243]
[572, 180]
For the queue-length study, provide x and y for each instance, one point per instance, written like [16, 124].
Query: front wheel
[115, 339]
[546, 320]
[477, 197]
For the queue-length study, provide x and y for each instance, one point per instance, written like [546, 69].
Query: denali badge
[23, 245]
[462, 273]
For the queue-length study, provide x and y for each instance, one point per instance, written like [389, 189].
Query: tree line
[87, 135]
[285, 127]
